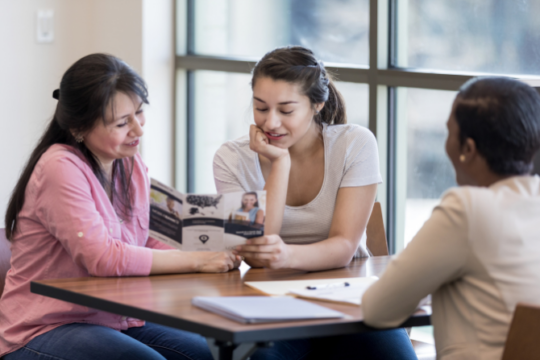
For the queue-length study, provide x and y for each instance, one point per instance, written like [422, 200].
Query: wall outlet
[45, 26]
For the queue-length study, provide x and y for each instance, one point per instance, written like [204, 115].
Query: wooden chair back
[523, 340]
[5, 256]
[375, 233]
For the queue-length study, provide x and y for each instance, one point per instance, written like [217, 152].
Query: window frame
[381, 75]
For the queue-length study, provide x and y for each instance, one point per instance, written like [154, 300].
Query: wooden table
[166, 300]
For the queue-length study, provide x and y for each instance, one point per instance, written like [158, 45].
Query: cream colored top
[478, 255]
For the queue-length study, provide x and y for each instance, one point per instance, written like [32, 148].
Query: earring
[79, 138]
[316, 112]
[462, 158]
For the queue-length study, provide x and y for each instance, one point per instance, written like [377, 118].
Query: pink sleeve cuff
[140, 261]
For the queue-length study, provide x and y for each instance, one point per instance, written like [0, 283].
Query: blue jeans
[380, 345]
[90, 342]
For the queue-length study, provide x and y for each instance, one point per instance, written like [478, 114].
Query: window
[468, 35]
[337, 31]
[424, 170]
[398, 66]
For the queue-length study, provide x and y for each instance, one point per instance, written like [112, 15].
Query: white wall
[29, 71]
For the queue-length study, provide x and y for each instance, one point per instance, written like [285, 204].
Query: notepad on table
[325, 289]
[260, 309]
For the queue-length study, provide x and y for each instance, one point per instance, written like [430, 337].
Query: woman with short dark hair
[479, 252]
[81, 208]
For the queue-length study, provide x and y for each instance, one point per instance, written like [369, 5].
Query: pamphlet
[205, 222]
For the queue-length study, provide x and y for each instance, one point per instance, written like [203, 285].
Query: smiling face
[170, 204]
[283, 112]
[118, 136]
[248, 202]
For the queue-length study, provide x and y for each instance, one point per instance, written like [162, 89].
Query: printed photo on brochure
[205, 222]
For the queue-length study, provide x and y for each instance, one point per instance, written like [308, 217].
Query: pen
[324, 286]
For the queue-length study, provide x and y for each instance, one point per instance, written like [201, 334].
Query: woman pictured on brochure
[250, 206]
[479, 252]
[321, 177]
[81, 208]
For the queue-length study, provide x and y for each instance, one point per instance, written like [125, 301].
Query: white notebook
[260, 309]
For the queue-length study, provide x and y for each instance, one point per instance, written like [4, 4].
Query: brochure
[205, 222]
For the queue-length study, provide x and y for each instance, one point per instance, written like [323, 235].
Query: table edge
[236, 337]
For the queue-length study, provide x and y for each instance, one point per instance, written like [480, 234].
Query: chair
[523, 337]
[5, 256]
[375, 233]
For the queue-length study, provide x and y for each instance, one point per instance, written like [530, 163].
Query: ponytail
[333, 112]
[53, 135]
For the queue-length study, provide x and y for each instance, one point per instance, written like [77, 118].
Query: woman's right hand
[259, 143]
[216, 261]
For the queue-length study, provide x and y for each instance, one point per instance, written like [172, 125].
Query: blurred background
[398, 64]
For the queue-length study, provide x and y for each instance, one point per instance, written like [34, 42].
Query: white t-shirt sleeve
[362, 159]
[226, 179]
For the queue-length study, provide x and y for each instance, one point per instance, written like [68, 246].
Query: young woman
[81, 208]
[250, 205]
[479, 252]
[321, 178]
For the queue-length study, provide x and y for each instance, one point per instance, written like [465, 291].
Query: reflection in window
[428, 171]
[470, 35]
[336, 30]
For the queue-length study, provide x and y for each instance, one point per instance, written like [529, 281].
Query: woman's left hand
[266, 251]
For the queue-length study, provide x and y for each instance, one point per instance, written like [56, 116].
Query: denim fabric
[90, 342]
[379, 345]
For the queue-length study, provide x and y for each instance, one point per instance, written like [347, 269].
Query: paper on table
[351, 294]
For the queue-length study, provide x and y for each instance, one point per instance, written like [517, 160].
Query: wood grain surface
[166, 300]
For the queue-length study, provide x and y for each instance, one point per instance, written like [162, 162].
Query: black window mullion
[190, 101]
[190, 124]
[391, 172]
[391, 211]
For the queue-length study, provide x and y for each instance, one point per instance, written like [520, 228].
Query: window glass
[493, 36]
[424, 171]
[336, 30]
[222, 112]
[356, 101]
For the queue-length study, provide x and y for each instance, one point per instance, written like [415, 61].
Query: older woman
[81, 208]
[479, 252]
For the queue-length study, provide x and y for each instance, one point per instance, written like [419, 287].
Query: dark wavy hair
[298, 65]
[502, 116]
[86, 89]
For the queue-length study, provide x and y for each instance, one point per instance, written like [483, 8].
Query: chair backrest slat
[523, 340]
[375, 233]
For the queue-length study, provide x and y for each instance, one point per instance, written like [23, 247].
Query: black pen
[324, 286]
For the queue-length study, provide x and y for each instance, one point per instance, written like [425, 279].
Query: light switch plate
[45, 26]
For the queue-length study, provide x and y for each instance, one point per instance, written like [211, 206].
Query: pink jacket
[68, 228]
